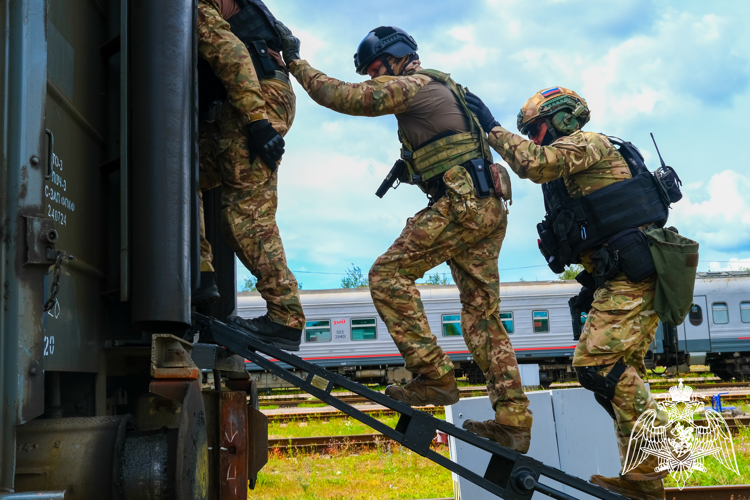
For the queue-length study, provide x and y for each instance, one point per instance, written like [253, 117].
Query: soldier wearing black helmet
[445, 153]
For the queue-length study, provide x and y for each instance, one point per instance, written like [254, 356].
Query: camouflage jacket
[230, 61]
[586, 161]
[385, 95]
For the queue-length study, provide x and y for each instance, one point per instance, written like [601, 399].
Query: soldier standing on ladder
[446, 154]
[240, 150]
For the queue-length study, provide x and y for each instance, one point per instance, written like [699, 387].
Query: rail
[509, 473]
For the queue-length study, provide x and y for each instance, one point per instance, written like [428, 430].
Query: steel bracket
[41, 237]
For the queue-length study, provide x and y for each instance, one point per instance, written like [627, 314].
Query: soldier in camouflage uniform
[457, 227]
[622, 322]
[241, 150]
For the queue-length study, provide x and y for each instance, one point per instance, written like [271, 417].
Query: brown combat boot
[646, 471]
[422, 391]
[515, 438]
[635, 490]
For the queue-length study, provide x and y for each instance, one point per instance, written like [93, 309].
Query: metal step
[510, 475]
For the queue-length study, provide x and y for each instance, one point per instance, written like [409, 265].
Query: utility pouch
[676, 262]
[479, 176]
[670, 183]
[264, 65]
[580, 305]
[631, 251]
[501, 182]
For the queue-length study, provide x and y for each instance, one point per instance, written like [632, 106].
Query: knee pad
[602, 386]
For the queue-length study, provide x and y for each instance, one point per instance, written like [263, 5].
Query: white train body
[345, 333]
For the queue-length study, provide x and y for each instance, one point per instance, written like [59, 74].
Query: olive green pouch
[676, 262]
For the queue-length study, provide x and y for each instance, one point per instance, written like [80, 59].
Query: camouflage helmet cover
[547, 102]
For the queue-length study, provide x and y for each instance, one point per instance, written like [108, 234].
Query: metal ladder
[510, 475]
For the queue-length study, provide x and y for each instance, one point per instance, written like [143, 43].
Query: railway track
[320, 444]
[724, 492]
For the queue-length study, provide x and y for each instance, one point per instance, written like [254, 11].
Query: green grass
[716, 473]
[391, 472]
[333, 427]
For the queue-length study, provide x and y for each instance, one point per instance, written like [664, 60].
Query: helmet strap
[551, 135]
[387, 65]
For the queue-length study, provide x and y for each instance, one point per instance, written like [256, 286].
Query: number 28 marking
[49, 345]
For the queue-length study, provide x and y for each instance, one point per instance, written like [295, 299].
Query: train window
[721, 313]
[507, 321]
[318, 331]
[364, 329]
[541, 321]
[696, 315]
[745, 312]
[451, 325]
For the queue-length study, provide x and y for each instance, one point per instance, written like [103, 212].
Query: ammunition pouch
[602, 387]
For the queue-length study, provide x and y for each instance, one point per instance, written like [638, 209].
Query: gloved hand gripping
[290, 44]
[263, 140]
[484, 115]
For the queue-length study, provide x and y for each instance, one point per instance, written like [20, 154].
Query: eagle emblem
[680, 446]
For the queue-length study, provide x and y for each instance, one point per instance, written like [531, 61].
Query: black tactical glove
[289, 43]
[486, 120]
[264, 141]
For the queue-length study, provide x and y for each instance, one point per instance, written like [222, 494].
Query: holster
[581, 303]
[480, 176]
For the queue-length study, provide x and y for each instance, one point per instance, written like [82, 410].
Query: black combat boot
[422, 391]
[207, 292]
[262, 328]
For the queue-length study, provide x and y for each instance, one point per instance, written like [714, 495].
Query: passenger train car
[344, 332]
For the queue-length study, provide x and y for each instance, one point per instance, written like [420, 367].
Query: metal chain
[55, 287]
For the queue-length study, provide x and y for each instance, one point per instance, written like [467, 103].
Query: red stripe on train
[449, 352]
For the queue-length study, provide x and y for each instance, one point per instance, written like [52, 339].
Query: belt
[280, 76]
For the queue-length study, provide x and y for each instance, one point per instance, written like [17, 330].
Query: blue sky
[679, 69]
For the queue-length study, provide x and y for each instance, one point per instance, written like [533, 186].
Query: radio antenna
[657, 150]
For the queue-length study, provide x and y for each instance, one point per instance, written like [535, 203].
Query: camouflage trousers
[249, 201]
[467, 233]
[620, 326]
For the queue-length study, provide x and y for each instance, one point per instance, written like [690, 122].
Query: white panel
[571, 432]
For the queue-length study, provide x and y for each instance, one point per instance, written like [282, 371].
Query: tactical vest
[255, 26]
[572, 225]
[443, 153]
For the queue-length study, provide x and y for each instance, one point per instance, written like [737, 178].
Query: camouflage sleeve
[231, 62]
[384, 95]
[540, 164]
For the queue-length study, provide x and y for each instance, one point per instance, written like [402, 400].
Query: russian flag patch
[549, 92]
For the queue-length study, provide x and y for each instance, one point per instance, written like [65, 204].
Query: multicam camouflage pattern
[467, 233]
[585, 160]
[384, 95]
[230, 61]
[621, 325]
[622, 322]
[538, 106]
[249, 194]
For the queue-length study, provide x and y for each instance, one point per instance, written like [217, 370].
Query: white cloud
[722, 221]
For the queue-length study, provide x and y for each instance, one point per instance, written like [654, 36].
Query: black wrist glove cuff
[266, 142]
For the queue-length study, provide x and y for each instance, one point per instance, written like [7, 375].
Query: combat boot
[207, 293]
[646, 471]
[422, 391]
[266, 330]
[515, 438]
[635, 490]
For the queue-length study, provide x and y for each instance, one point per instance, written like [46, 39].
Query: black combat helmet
[383, 40]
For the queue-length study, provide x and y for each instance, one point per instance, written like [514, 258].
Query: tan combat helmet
[562, 109]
